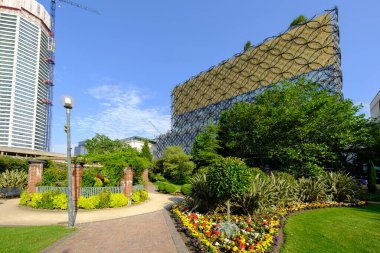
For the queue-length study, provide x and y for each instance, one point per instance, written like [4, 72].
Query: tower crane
[51, 61]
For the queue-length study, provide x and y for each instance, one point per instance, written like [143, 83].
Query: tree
[145, 151]
[301, 19]
[101, 144]
[177, 164]
[205, 147]
[298, 127]
[247, 45]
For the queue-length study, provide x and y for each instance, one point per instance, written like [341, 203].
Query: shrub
[340, 186]
[24, 198]
[60, 201]
[162, 186]
[258, 171]
[186, 189]
[35, 199]
[135, 197]
[229, 177]
[98, 182]
[13, 163]
[371, 178]
[54, 177]
[170, 188]
[47, 200]
[143, 195]
[104, 199]
[14, 178]
[286, 189]
[91, 202]
[261, 196]
[200, 196]
[311, 190]
[118, 200]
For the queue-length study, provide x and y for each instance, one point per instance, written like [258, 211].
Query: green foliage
[170, 188]
[24, 198]
[162, 186]
[301, 19]
[371, 178]
[53, 176]
[13, 163]
[91, 202]
[145, 151]
[201, 197]
[177, 164]
[101, 144]
[229, 177]
[157, 177]
[311, 190]
[268, 193]
[45, 200]
[98, 182]
[104, 199]
[136, 197]
[340, 186]
[258, 171]
[186, 189]
[14, 178]
[143, 195]
[259, 197]
[247, 45]
[118, 200]
[298, 127]
[60, 201]
[205, 147]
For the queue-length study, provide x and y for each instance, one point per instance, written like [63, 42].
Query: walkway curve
[12, 214]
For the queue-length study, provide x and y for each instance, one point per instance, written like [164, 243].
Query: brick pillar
[36, 168]
[76, 181]
[145, 178]
[127, 181]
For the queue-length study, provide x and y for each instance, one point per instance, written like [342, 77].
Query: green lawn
[30, 239]
[334, 230]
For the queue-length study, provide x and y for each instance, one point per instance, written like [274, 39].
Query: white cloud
[122, 114]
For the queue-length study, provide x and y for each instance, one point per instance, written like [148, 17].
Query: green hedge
[56, 200]
[13, 163]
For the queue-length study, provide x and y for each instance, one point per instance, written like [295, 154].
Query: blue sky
[120, 66]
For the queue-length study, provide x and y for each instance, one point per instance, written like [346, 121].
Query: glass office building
[25, 80]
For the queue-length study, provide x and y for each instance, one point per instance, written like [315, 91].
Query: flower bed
[254, 234]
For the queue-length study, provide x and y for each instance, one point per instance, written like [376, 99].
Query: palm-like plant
[340, 186]
[311, 190]
[14, 178]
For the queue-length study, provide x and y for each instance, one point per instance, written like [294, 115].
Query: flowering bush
[257, 233]
[118, 200]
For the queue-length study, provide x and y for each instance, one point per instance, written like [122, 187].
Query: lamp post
[70, 210]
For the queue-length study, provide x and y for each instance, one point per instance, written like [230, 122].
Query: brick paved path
[144, 233]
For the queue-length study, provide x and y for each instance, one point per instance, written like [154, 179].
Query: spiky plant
[340, 186]
[311, 190]
[14, 178]
[200, 196]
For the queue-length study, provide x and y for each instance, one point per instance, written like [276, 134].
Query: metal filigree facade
[310, 50]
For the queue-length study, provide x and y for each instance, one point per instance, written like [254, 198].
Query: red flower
[241, 246]
[251, 247]
[248, 229]
[265, 223]
[215, 232]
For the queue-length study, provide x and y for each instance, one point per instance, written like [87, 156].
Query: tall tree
[177, 164]
[206, 146]
[145, 151]
[102, 144]
[296, 126]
